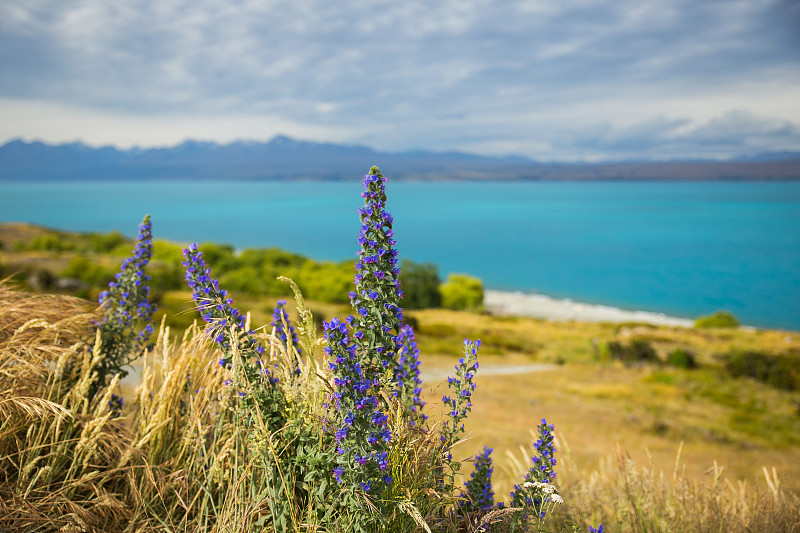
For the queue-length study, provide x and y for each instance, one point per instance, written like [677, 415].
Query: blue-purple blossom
[479, 486]
[126, 306]
[462, 387]
[376, 298]
[226, 326]
[406, 375]
[115, 405]
[285, 331]
[542, 468]
[224, 323]
[284, 328]
[360, 427]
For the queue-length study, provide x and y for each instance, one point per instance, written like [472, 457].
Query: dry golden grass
[617, 417]
[178, 463]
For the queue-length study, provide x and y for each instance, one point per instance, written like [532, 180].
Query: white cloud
[533, 77]
[57, 123]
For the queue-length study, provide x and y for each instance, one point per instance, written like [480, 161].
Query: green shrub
[51, 242]
[275, 257]
[167, 252]
[462, 292]
[326, 281]
[420, 282]
[219, 256]
[166, 277]
[638, 351]
[720, 319]
[106, 242]
[681, 358]
[781, 371]
[245, 279]
[82, 268]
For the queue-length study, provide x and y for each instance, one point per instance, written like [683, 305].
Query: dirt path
[489, 370]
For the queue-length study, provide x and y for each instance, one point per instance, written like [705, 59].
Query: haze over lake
[684, 249]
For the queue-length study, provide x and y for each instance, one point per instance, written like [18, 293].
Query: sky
[553, 80]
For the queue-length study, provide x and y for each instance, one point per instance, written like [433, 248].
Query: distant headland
[283, 158]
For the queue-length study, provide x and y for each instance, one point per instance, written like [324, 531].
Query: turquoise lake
[684, 249]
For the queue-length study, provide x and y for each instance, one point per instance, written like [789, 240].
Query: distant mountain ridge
[283, 158]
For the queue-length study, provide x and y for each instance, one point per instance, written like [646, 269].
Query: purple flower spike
[126, 306]
[225, 322]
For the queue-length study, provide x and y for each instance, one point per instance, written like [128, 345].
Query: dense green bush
[220, 256]
[638, 351]
[462, 292]
[778, 370]
[82, 268]
[253, 271]
[720, 319]
[107, 242]
[260, 257]
[420, 283]
[326, 281]
[50, 242]
[167, 252]
[682, 358]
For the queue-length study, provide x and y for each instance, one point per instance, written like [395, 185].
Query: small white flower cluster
[546, 488]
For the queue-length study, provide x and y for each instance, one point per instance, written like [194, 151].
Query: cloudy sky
[548, 79]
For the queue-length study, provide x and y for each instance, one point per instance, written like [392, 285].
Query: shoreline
[540, 306]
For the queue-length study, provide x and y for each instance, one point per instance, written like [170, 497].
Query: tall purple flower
[376, 298]
[126, 306]
[223, 320]
[284, 328]
[361, 429]
[542, 469]
[462, 388]
[406, 375]
[479, 486]
[226, 325]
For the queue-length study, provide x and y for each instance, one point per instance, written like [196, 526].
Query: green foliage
[781, 371]
[50, 242]
[83, 268]
[274, 257]
[720, 319]
[420, 283]
[462, 292]
[682, 358]
[219, 256]
[59, 241]
[106, 242]
[254, 271]
[167, 252]
[126, 308]
[326, 281]
[638, 351]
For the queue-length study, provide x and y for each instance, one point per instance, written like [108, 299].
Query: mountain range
[283, 158]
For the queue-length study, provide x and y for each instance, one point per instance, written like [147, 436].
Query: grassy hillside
[597, 403]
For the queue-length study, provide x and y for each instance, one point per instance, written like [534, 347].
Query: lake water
[684, 249]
